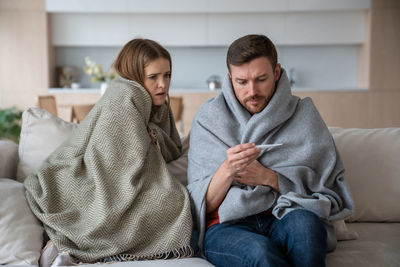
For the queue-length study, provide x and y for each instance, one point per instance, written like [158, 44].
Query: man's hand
[256, 174]
[239, 157]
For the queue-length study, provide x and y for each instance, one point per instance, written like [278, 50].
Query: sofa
[370, 237]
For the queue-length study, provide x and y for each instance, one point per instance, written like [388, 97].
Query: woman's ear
[277, 72]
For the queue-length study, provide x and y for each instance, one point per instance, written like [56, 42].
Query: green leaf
[10, 124]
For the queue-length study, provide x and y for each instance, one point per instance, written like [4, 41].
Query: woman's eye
[168, 75]
[152, 77]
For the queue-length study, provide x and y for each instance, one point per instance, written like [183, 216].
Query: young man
[256, 206]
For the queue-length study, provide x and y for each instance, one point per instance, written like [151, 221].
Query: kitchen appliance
[214, 82]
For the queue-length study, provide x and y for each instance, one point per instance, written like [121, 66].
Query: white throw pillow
[342, 232]
[8, 159]
[41, 134]
[21, 233]
[371, 158]
[178, 167]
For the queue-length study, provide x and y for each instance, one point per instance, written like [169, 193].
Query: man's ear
[277, 72]
[230, 78]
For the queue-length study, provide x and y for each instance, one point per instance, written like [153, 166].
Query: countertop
[201, 90]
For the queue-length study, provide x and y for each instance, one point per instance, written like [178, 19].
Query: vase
[103, 88]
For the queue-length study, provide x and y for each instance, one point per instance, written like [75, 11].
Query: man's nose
[252, 89]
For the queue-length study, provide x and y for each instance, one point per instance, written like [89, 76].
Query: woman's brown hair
[136, 55]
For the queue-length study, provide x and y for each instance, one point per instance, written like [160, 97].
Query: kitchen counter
[203, 90]
[97, 90]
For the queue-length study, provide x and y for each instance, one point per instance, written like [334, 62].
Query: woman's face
[157, 78]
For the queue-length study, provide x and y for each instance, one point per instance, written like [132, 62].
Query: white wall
[317, 67]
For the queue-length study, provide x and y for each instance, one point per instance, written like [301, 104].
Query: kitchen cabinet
[206, 22]
[117, 29]
[308, 28]
[200, 6]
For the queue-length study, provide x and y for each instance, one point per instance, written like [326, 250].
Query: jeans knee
[306, 238]
[305, 225]
[306, 220]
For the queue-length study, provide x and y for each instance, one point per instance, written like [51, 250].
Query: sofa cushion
[8, 159]
[178, 167]
[372, 161]
[378, 245]
[20, 232]
[41, 134]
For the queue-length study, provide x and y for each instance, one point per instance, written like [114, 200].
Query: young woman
[106, 193]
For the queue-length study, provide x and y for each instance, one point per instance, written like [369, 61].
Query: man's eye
[241, 82]
[168, 75]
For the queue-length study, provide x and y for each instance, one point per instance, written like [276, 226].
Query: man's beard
[258, 108]
[254, 97]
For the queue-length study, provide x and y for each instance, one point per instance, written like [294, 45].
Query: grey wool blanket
[106, 190]
[310, 171]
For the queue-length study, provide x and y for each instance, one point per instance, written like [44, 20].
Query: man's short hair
[249, 47]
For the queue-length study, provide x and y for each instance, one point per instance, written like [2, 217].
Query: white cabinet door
[117, 29]
[225, 28]
[200, 6]
[251, 6]
[328, 27]
[126, 6]
[293, 28]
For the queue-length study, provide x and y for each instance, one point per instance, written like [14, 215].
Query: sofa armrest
[8, 159]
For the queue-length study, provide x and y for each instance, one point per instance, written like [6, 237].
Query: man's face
[254, 83]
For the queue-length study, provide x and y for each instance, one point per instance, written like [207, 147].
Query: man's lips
[254, 100]
[161, 94]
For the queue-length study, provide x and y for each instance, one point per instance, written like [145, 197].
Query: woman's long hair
[135, 56]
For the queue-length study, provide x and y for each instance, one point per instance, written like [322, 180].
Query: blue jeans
[298, 239]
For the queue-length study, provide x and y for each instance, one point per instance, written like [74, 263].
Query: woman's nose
[161, 83]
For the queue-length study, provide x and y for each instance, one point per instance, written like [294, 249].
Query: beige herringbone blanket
[107, 191]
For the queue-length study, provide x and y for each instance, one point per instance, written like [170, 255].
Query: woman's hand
[256, 174]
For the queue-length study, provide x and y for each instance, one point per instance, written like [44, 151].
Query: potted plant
[10, 124]
[97, 75]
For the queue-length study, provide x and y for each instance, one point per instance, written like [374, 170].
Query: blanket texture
[310, 171]
[107, 191]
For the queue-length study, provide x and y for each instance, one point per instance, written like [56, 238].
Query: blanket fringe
[183, 252]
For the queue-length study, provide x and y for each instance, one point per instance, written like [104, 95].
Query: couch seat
[378, 245]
